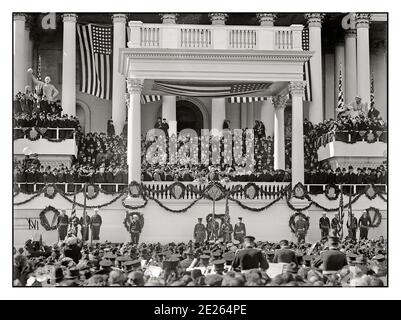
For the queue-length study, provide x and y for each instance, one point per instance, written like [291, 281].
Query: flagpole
[84, 215]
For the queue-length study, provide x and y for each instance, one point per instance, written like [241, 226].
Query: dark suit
[285, 256]
[331, 260]
[250, 258]
[324, 225]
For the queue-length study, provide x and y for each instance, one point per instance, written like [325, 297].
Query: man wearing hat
[249, 257]
[333, 259]
[74, 223]
[95, 223]
[301, 228]
[212, 229]
[135, 229]
[364, 223]
[84, 222]
[335, 225]
[62, 225]
[239, 230]
[226, 230]
[324, 225]
[352, 225]
[200, 232]
[284, 254]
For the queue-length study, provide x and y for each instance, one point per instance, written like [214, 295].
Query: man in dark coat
[239, 230]
[135, 229]
[200, 232]
[335, 225]
[62, 225]
[324, 225]
[332, 260]
[285, 254]
[226, 229]
[352, 225]
[95, 224]
[364, 223]
[301, 228]
[85, 227]
[212, 229]
[249, 257]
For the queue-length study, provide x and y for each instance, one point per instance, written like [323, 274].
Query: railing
[283, 39]
[150, 36]
[242, 39]
[351, 137]
[45, 133]
[270, 191]
[195, 37]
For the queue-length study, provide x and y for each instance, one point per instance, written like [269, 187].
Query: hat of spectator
[71, 273]
[249, 238]
[229, 257]
[219, 264]
[216, 254]
[284, 243]
[170, 263]
[105, 263]
[123, 259]
[133, 263]
[333, 240]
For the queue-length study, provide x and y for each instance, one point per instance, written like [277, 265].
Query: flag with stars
[95, 46]
[306, 68]
[372, 91]
[340, 98]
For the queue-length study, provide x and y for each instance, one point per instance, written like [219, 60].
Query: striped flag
[372, 90]
[341, 214]
[150, 98]
[340, 98]
[306, 68]
[95, 46]
[39, 68]
[246, 99]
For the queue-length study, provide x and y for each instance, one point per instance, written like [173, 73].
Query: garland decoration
[299, 191]
[243, 206]
[92, 191]
[50, 191]
[375, 216]
[44, 221]
[95, 206]
[135, 189]
[128, 219]
[291, 222]
[27, 200]
[332, 191]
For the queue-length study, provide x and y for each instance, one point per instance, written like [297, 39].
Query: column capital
[362, 20]
[314, 19]
[70, 17]
[218, 18]
[169, 18]
[279, 102]
[350, 33]
[297, 88]
[119, 17]
[134, 85]
[19, 16]
[266, 19]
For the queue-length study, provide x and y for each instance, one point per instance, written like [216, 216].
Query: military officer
[226, 230]
[332, 260]
[335, 225]
[85, 227]
[62, 225]
[135, 229]
[200, 232]
[95, 223]
[249, 257]
[352, 225]
[212, 229]
[364, 223]
[301, 228]
[324, 225]
[74, 223]
[239, 230]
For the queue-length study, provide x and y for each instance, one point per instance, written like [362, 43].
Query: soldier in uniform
[62, 225]
[364, 223]
[239, 230]
[200, 232]
[301, 227]
[135, 229]
[74, 223]
[352, 225]
[85, 227]
[249, 257]
[324, 225]
[226, 230]
[212, 229]
[335, 225]
[95, 223]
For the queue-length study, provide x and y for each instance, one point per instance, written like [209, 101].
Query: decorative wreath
[50, 191]
[177, 190]
[370, 192]
[215, 192]
[331, 191]
[375, 217]
[33, 134]
[299, 191]
[92, 191]
[251, 191]
[128, 218]
[44, 219]
[16, 190]
[135, 189]
[291, 222]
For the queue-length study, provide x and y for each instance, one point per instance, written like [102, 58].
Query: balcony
[186, 36]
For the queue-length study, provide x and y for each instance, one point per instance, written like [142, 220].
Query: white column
[134, 87]
[68, 97]
[267, 116]
[316, 106]
[251, 115]
[362, 54]
[19, 52]
[350, 65]
[169, 36]
[28, 63]
[169, 111]
[118, 106]
[296, 89]
[244, 115]
[218, 113]
[279, 103]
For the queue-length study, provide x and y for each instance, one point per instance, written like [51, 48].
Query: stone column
[68, 96]
[218, 113]
[20, 46]
[118, 106]
[266, 19]
[169, 18]
[169, 111]
[362, 53]
[316, 106]
[251, 115]
[28, 62]
[296, 89]
[279, 103]
[134, 87]
[350, 65]
[218, 18]
[267, 116]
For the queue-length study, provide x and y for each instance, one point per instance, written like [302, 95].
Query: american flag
[372, 90]
[150, 98]
[340, 98]
[39, 68]
[95, 45]
[307, 74]
[341, 214]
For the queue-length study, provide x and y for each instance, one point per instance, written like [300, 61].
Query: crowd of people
[329, 262]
